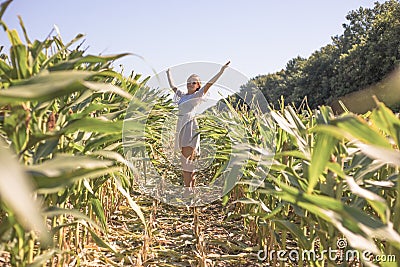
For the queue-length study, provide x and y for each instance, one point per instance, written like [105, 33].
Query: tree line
[364, 54]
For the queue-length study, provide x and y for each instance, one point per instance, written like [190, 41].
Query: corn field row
[64, 177]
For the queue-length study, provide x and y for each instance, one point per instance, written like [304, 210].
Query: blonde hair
[195, 76]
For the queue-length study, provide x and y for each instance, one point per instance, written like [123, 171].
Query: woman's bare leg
[188, 176]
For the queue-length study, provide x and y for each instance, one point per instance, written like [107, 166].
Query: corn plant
[61, 116]
[333, 177]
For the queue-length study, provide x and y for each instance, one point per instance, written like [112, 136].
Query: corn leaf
[16, 190]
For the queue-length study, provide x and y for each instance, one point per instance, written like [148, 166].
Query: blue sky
[259, 37]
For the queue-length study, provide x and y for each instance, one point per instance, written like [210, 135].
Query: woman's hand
[215, 78]
[225, 66]
[170, 81]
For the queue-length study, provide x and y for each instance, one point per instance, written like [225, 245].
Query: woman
[187, 139]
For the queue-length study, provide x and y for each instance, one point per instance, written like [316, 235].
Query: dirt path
[201, 236]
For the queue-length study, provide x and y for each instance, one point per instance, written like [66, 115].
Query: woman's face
[193, 84]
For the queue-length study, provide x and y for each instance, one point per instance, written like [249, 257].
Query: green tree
[366, 52]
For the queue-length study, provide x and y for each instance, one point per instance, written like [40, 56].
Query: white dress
[187, 130]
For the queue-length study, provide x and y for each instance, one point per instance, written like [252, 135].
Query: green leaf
[291, 116]
[91, 59]
[16, 190]
[385, 120]
[336, 168]
[19, 59]
[6, 69]
[45, 86]
[292, 153]
[320, 156]
[21, 23]
[56, 211]
[385, 155]
[106, 88]
[48, 185]
[45, 149]
[274, 212]
[4, 6]
[66, 163]
[377, 202]
[61, 50]
[101, 140]
[110, 155]
[14, 37]
[98, 125]
[135, 207]
[292, 127]
[296, 231]
[359, 129]
[331, 130]
[54, 175]
[99, 211]
[100, 242]
[358, 227]
[19, 55]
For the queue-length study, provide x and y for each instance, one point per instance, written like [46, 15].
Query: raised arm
[170, 81]
[215, 78]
